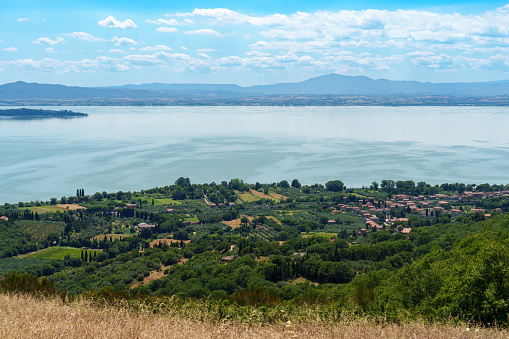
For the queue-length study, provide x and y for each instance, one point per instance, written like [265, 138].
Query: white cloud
[167, 29]
[123, 41]
[111, 22]
[119, 51]
[256, 53]
[205, 31]
[171, 22]
[85, 36]
[10, 49]
[44, 40]
[156, 48]
[98, 64]
[2, 70]
[184, 48]
[50, 50]
[22, 19]
[203, 55]
[206, 50]
[143, 59]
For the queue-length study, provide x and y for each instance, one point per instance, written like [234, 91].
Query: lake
[134, 148]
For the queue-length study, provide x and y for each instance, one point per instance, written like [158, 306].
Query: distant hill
[20, 93]
[335, 84]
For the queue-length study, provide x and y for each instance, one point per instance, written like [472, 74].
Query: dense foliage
[376, 250]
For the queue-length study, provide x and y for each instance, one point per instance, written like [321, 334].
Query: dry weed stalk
[28, 317]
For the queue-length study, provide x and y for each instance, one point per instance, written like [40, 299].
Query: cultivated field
[54, 253]
[28, 317]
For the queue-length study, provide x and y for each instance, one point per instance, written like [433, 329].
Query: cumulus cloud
[123, 41]
[85, 36]
[167, 29]
[50, 50]
[205, 31]
[119, 51]
[22, 19]
[171, 22]
[111, 22]
[50, 65]
[205, 50]
[48, 41]
[10, 49]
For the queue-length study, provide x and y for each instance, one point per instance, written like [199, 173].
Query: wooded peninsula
[39, 113]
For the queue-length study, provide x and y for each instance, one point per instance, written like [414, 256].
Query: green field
[162, 201]
[40, 229]
[55, 253]
[248, 197]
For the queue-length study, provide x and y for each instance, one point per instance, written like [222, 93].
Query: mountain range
[326, 85]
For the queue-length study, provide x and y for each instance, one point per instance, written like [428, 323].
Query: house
[406, 230]
[454, 211]
[144, 226]
[3, 217]
[227, 259]
[331, 222]
[130, 206]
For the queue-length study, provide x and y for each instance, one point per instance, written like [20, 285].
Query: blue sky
[100, 43]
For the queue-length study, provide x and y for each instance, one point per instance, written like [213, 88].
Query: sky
[111, 42]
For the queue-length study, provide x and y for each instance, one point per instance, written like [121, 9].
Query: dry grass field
[28, 317]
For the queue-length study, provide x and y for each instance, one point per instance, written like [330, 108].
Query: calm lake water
[133, 148]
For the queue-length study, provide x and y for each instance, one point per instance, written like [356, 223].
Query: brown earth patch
[235, 223]
[72, 207]
[157, 274]
[303, 280]
[261, 195]
[167, 242]
[278, 196]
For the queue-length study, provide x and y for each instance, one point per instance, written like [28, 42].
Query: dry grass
[157, 274]
[72, 207]
[167, 242]
[27, 317]
[235, 223]
[278, 196]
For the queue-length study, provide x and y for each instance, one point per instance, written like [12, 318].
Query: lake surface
[134, 148]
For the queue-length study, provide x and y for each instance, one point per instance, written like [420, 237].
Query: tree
[244, 221]
[284, 184]
[296, 183]
[375, 185]
[182, 181]
[334, 186]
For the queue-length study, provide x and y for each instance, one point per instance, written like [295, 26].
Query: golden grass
[72, 207]
[27, 317]
[167, 242]
[235, 223]
[263, 195]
